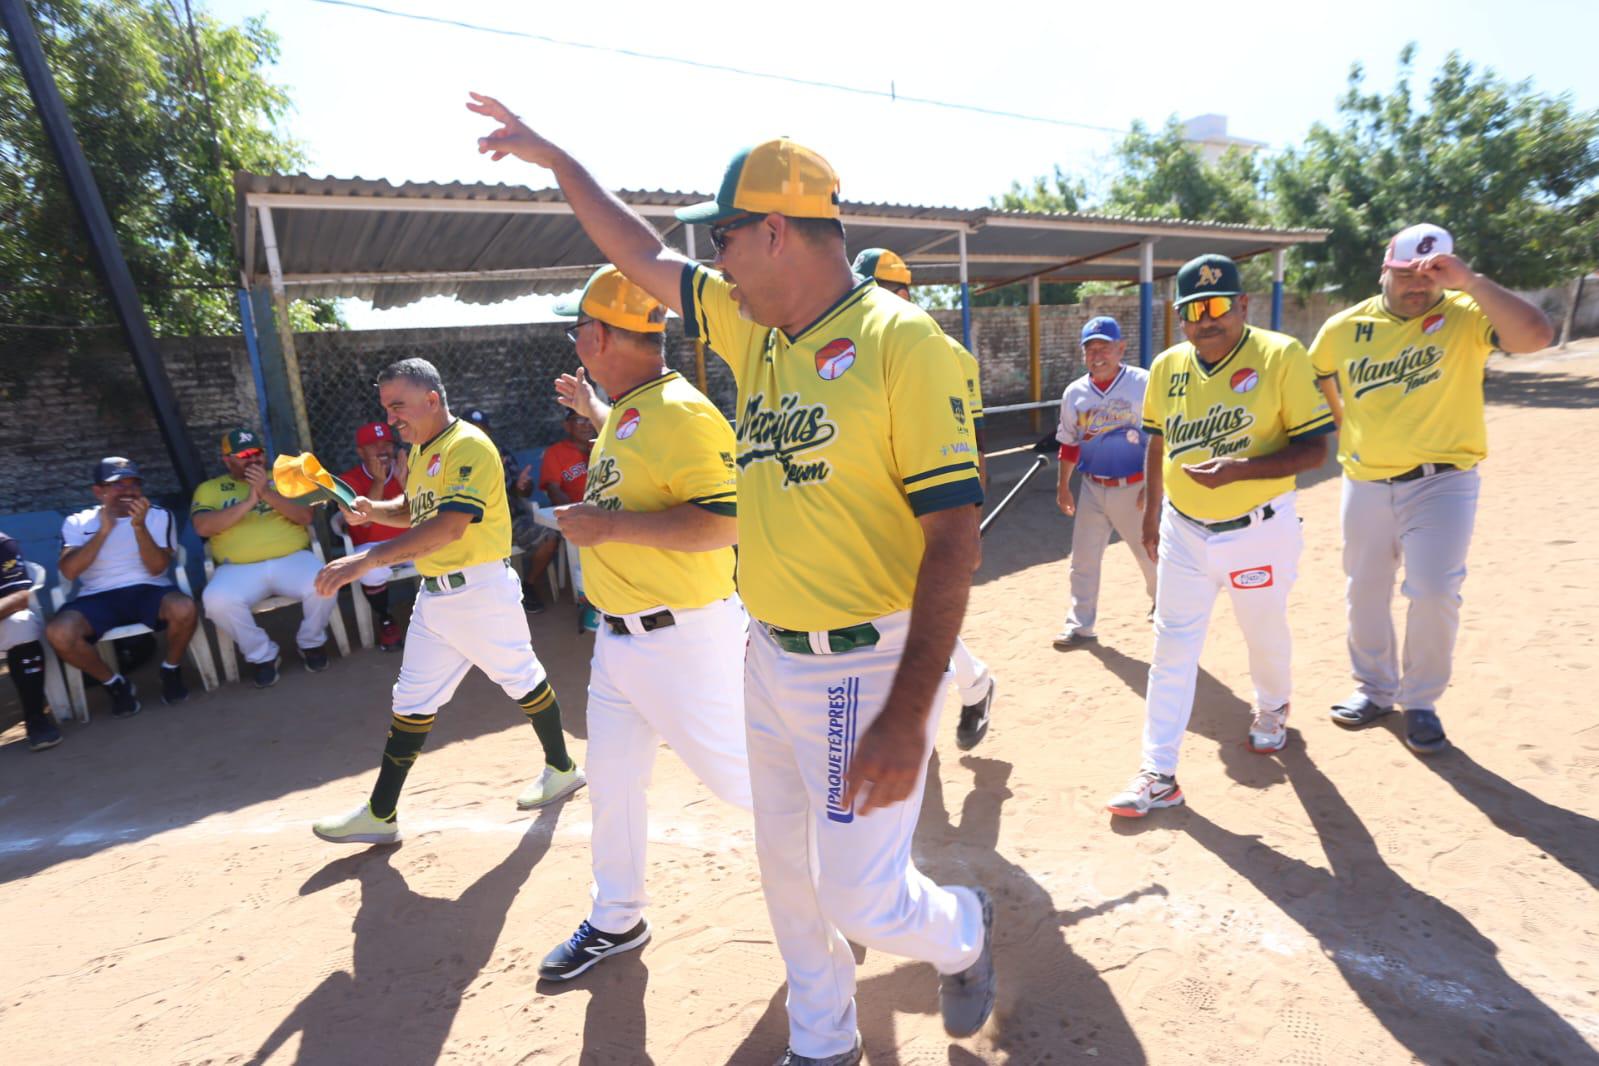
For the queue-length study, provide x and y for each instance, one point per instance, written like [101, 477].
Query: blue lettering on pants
[843, 703]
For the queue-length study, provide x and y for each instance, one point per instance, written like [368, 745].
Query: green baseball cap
[235, 441]
[1207, 275]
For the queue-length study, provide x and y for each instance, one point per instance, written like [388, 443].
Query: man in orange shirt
[377, 477]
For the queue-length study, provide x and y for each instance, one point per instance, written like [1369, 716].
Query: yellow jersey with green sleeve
[460, 470]
[1412, 387]
[972, 374]
[664, 444]
[1259, 398]
[260, 535]
[847, 433]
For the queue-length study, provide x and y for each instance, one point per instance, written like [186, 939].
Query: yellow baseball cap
[614, 300]
[776, 177]
[880, 264]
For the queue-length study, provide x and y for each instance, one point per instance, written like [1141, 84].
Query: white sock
[116, 679]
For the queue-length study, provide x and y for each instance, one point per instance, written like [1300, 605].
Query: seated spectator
[537, 543]
[377, 477]
[262, 547]
[119, 553]
[20, 633]
[564, 476]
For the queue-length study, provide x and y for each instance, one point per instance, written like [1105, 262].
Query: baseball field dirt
[1342, 902]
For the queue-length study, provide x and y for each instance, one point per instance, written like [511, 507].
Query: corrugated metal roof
[336, 238]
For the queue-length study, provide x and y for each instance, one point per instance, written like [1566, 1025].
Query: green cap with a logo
[1207, 275]
[235, 441]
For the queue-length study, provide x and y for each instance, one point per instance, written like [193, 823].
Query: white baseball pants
[480, 624]
[1426, 524]
[235, 588]
[828, 873]
[1101, 509]
[683, 684]
[971, 674]
[1257, 565]
[377, 577]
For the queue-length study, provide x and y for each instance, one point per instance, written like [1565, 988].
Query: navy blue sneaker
[124, 699]
[588, 946]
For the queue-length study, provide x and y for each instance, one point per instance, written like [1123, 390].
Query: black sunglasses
[571, 331]
[719, 233]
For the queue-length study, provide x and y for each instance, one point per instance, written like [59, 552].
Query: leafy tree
[1512, 173]
[163, 129]
[1048, 193]
[1163, 175]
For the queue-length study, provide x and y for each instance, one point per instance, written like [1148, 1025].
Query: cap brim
[708, 213]
[568, 307]
[1099, 337]
[1400, 264]
[1205, 296]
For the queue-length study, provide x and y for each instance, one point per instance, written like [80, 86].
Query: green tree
[1049, 193]
[1512, 173]
[165, 118]
[1163, 175]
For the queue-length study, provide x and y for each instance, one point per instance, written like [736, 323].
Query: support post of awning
[966, 296]
[280, 307]
[1146, 302]
[1277, 262]
[1034, 347]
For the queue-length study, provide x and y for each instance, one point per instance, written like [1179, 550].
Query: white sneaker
[360, 826]
[1269, 731]
[550, 786]
[1147, 791]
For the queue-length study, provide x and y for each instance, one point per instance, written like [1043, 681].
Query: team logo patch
[1256, 577]
[959, 408]
[834, 358]
[434, 463]
[1209, 275]
[1432, 323]
[1132, 436]
[627, 425]
[843, 704]
[1244, 380]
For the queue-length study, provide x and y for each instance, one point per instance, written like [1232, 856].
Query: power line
[890, 94]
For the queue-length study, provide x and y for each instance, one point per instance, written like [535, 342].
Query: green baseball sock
[407, 734]
[545, 714]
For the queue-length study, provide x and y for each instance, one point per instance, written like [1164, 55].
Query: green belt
[1232, 523]
[798, 642]
[452, 580]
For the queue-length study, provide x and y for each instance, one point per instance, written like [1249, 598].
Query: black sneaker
[973, 725]
[266, 674]
[43, 733]
[173, 690]
[586, 947]
[316, 659]
[530, 599]
[124, 699]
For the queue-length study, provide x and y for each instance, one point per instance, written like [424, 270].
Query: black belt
[798, 641]
[1232, 523]
[649, 622]
[1419, 472]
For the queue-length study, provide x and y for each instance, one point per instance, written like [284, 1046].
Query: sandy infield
[1344, 902]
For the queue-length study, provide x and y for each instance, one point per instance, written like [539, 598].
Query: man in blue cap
[1100, 431]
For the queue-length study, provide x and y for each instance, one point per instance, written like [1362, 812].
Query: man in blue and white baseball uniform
[1101, 432]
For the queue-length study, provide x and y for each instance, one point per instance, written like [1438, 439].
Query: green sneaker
[360, 826]
[550, 786]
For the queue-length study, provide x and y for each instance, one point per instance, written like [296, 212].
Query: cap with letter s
[1409, 246]
[774, 177]
[372, 433]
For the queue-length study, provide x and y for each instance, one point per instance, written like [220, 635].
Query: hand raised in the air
[575, 391]
[514, 137]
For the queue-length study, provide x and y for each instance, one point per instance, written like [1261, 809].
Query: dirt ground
[1345, 902]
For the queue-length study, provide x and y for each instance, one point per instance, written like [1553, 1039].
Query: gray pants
[1426, 524]
[1099, 510]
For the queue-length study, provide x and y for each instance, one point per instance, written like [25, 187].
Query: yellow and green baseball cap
[614, 300]
[880, 264]
[776, 177]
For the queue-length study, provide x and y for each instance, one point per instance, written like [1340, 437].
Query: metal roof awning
[396, 244]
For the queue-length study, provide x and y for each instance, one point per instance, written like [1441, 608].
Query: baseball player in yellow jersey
[1232, 415]
[469, 609]
[655, 531]
[857, 540]
[1409, 363]
[974, 683]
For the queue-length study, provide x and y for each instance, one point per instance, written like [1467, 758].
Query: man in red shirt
[564, 477]
[377, 477]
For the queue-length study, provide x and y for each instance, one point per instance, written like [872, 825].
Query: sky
[383, 97]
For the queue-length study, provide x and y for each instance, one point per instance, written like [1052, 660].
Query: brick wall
[61, 412]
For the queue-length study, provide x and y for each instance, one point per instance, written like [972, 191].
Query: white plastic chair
[225, 647]
[55, 688]
[363, 610]
[199, 647]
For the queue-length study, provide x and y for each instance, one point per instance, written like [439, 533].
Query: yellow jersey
[847, 432]
[1255, 401]
[1412, 388]
[460, 470]
[662, 445]
[260, 535]
[974, 385]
